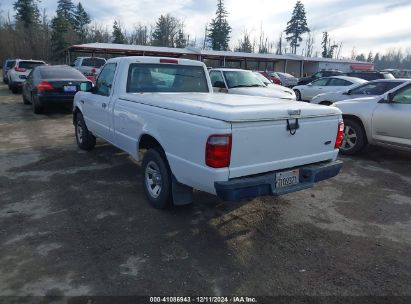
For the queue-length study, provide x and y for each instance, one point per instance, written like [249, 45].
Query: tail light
[45, 86]
[93, 71]
[17, 69]
[340, 135]
[218, 151]
[163, 60]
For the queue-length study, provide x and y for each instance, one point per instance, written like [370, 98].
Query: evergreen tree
[82, 19]
[66, 8]
[360, 57]
[370, 57]
[296, 27]
[27, 12]
[118, 36]
[324, 44]
[219, 32]
[166, 31]
[60, 29]
[244, 44]
[181, 41]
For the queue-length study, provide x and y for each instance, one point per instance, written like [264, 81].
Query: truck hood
[272, 91]
[231, 108]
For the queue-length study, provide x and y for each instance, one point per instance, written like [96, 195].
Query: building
[289, 63]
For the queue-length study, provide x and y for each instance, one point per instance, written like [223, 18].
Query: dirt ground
[76, 223]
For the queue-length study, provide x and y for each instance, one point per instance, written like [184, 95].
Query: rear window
[93, 62]
[166, 78]
[29, 65]
[60, 73]
[10, 64]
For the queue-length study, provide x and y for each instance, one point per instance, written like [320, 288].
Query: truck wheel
[297, 95]
[14, 88]
[37, 109]
[85, 140]
[354, 137]
[157, 179]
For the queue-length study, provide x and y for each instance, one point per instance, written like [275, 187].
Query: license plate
[70, 89]
[287, 178]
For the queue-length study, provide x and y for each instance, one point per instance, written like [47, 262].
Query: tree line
[30, 33]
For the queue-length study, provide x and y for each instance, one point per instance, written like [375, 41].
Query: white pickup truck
[232, 146]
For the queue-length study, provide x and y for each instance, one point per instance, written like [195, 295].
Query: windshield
[60, 73]
[262, 78]
[29, 65]
[10, 64]
[238, 79]
[93, 62]
[166, 78]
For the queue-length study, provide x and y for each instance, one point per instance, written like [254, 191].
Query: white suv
[89, 66]
[18, 74]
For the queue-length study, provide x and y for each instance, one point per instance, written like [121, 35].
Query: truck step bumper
[264, 184]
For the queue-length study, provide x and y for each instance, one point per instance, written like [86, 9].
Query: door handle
[82, 101]
[104, 105]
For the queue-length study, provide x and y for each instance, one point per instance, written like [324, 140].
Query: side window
[318, 75]
[30, 77]
[320, 82]
[216, 76]
[105, 80]
[403, 96]
[336, 82]
[376, 88]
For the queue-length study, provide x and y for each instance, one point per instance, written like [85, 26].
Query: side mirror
[309, 84]
[219, 84]
[86, 87]
[347, 92]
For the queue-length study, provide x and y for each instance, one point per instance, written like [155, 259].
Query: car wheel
[354, 138]
[297, 95]
[326, 103]
[84, 138]
[14, 89]
[25, 100]
[157, 179]
[37, 109]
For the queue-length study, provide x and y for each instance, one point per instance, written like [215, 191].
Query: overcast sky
[376, 25]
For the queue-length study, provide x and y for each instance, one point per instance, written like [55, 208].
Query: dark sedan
[53, 85]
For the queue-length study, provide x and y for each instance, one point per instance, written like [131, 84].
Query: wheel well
[352, 117]
[75, 112]
[325, 103]
[147, 142]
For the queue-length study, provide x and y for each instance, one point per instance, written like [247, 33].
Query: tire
[354, 139]
[25, 100]
[14, 88]
[297, 95]
[5, 81]
[84, 138]
[37, 109]
[157, 173]
[326, 103]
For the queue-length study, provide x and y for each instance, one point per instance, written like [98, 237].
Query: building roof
[127, 49]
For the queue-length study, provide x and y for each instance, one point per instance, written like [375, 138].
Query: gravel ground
[76, 223]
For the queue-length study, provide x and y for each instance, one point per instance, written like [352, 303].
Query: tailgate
[265, 146]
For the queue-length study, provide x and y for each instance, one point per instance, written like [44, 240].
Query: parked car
[371, 75]
[8, 64]
[89, 66]
[318, 75]
[287, 80]
[269, 84]
[18, 74]
[232, 146]
[372, 88]
[53, 85]
[271, 76]
[379, 120]
[243, 82]
[326, 84]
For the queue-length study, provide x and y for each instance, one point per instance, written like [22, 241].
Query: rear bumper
[54, 100]
[264, 184]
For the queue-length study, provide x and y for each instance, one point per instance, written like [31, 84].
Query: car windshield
[166, 78]
[238, 79]
[60, 73]
[262, 78]
[29, 65]
[93, 62]
[10, 64]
